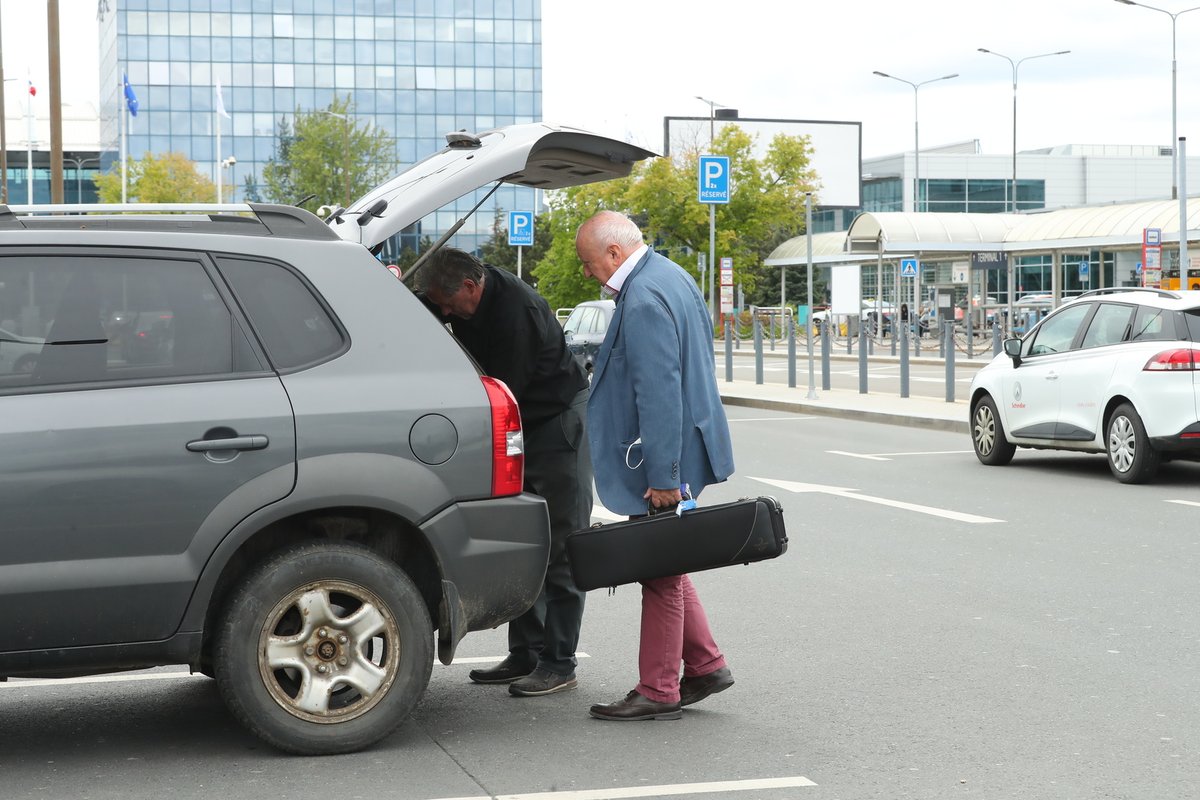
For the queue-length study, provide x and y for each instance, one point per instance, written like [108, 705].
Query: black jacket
[515, 337]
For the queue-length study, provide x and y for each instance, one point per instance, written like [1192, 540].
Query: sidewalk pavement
[888, 408]
[891, 409]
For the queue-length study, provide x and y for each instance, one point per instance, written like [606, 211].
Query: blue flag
[130, 97]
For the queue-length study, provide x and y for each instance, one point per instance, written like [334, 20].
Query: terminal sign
[714, 179]
[989, 259]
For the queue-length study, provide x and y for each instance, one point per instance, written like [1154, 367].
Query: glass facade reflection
[416, 69]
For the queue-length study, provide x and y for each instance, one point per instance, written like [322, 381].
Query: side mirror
[1012, 349]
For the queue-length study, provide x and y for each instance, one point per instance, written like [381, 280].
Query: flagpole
[122, 124]
[218, 161]
[29, 127]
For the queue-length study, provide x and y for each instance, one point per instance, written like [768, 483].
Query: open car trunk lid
[537, 155]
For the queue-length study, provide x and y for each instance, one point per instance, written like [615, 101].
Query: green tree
[497, 251]
[166, 178]
[766, 208]
[327, 153]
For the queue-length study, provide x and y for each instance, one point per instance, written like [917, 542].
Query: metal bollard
[917, 339]
[849, 338]
[791, 327]
[758, 352]
[895, 325]
[903, 361]
[942, 341]
[728, 352]
[772, 333]
[948, 340]
[825, 348]
[870, 345]
[995, 338]
[862, 367]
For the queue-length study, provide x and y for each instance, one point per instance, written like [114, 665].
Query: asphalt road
[937, 629]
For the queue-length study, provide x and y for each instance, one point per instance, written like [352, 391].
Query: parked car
[300, 484]
[585, 329]
[1113, 371]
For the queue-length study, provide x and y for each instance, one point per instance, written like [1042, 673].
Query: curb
[865, 415]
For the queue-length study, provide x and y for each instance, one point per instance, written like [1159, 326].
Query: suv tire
[324, 648]
[987, 434]
[1131, 457]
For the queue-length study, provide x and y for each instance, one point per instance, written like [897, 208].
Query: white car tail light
[508, 443]
[1183, 358]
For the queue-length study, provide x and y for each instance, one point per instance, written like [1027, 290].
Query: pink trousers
[674, 629]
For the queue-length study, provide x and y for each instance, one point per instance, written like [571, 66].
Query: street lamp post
[916, 180]
[229, 163]
[1174, 138]
[1016, 65]
[712, 214]
[79, 162]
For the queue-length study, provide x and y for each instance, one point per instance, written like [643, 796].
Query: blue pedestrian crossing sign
[520, 228]
[908, 267]
[714, 179]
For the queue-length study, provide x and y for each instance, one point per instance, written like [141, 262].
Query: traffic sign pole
[713, 188]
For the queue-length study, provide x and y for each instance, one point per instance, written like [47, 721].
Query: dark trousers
[558, 467]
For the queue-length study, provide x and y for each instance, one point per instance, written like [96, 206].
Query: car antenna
[420, 262]
[300, 203]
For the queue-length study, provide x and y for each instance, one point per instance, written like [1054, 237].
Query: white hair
[609, 227]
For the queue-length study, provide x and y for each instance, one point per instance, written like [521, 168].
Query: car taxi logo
[1017, 396]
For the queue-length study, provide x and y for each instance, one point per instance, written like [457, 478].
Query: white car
[1113, 371]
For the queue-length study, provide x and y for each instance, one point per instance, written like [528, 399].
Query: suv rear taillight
[1183, 358]
[508, 443]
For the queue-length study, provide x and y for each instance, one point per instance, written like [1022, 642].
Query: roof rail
[275, 220]
[1119, 289]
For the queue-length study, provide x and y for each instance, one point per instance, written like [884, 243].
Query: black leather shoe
[693, 690]
[506, 671]
[636, 707]
[542, 681]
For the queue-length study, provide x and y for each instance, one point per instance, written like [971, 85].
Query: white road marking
[857, 455]
[30, 683]
[621, 793]
[853, 494]
[769, 419]
[1184, 502]
[600, 512]
[889, 456]
[493, 659]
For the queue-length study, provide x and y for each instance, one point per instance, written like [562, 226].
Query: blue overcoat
[654, 380]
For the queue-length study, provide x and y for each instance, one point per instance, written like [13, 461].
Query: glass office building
[416, 69]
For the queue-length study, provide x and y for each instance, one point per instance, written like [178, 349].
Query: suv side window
[79, 319]
[1058, 332]
[1110, 325]
[292, 323]
[1153, 324]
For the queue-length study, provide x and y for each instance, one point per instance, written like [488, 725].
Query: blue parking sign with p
[714, 179]
[520, 228]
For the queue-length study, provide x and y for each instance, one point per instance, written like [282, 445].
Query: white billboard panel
[836, 149]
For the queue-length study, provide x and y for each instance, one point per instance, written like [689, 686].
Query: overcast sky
[620, 66]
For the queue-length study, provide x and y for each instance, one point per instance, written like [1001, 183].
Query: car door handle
[1052, 376]
[252, 442]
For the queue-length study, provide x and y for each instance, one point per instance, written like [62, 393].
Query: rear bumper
[493, 557]
[1186, 440]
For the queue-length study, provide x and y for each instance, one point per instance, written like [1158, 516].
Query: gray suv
[237, 442]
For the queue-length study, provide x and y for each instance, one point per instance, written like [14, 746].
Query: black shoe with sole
[506, 671]
[693, 690]
[542, 681]
[636, 707]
